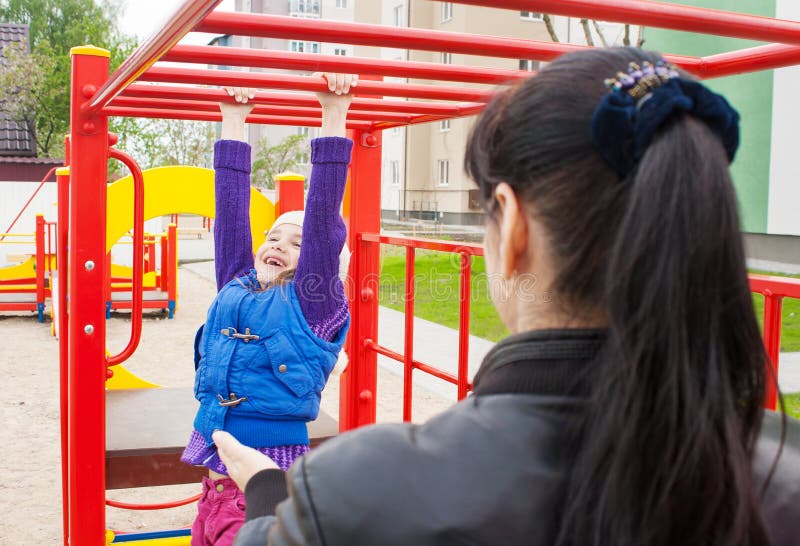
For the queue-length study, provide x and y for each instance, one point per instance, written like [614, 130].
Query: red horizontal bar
[12, 306]
[662, 15]
[165, 113]
[146, 304]
[276, 26]
[428, 244]
[766, 57]
[207, 106]
[380, 349]
[776, 286]
[144, 90]
[230, 56]
[31, 280]
[183, 19]
[265, 80]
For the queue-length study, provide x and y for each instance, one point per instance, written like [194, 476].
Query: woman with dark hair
[626, 407]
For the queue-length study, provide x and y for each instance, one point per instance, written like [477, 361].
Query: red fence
[29, 292]
[774, 289]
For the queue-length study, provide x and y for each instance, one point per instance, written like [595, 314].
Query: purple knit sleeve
[233, 243]
[317, 282]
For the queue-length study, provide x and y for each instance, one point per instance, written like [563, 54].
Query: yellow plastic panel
[177, 190]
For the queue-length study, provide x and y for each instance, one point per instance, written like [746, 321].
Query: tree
[24, 92]
[273, 160]
[182, 142]
[587, 32]
[55, 26]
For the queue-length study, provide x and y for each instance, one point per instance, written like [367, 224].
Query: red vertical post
[289, 192]
[86, 305]
[163, 277]
[149, 253]
[772, 342]
[172, 267]
[362, 215]
[463, 324]
[62, 179]
[408, 349]
[40, 266]
[108, 291]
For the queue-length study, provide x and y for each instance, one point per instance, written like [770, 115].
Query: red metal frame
[166, 276]
[86, 368]
[40, 284]
[62, 179]
[138, 257]
[96, 96]
[774, 289]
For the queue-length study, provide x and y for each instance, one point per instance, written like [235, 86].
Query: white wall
[13, 196]
[784, 172]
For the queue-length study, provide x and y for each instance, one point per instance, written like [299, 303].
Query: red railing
[461, 379]
[40, 283]
[774, 289]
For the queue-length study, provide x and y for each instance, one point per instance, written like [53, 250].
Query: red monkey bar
[453, 92]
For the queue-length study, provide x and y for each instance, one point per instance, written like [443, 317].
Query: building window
[302, 131]
[443, 172]
[397, 16]
[394, 172]
[530, 15]
[304, 8]
[444, 125]
[303, 47]
[529, 65]
[447, 11]
[447, 57]
[341, 3]
[340, 51]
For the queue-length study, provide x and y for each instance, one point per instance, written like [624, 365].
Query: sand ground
[30, 511]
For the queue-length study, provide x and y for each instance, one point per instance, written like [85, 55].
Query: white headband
[295, 218]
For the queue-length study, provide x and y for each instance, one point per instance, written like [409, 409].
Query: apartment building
[423, 177]
[335, 10]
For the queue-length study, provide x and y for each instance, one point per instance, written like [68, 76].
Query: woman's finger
[241, 461]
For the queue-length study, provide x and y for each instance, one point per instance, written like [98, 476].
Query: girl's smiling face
[279, 253]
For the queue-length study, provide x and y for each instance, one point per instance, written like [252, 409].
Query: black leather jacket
[490, 470]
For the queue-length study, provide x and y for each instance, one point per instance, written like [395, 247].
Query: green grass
[437, 291]
[792, 402]
[790, 320]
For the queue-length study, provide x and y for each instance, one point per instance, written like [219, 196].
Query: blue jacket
[262, 369]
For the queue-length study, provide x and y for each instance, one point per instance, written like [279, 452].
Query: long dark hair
[669, 432]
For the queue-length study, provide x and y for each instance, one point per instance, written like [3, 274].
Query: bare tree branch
[599, 32]
[640, 39]
[587, 32]
[548, 24]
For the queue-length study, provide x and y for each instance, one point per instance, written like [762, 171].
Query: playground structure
[96, 95]
[159, 284]
[26, 286]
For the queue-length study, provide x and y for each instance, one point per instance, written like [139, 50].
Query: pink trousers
[220, 513]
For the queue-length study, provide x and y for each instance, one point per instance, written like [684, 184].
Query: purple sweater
[319, 290]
